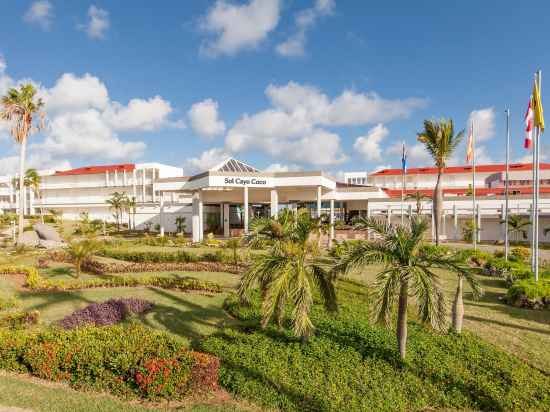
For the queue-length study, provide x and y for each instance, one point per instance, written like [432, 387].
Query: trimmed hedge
[352, 365]
[101, 268]
[130, 361]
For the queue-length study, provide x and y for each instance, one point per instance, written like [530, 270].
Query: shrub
[498, 253]
[127, 360]
[181, 256]
[520, 254]
[8, 303]
[33, 278]
[527, 293]
[473, 257]
[106, 313]
[21, 319]
[352, 365]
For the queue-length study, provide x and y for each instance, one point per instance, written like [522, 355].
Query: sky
[329, 85]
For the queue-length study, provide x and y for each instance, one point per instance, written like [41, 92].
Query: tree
[288, 275]
[33, 181]
[440, 141]
[117, 203]
[517, 224]
[180, 224]
[79, 251]
[19, 108]
[418, 197]
[408, 271]
[234, 244]
[131, 204]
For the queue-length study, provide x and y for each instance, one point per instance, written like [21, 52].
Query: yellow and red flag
[470, 148]
[538, 112]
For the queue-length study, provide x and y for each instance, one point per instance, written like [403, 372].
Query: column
[12, 192]
[478, 223]
[389, 214]
[226, 232]
[134, 184]
[502, 225]
[153, 177]
[116, 177]
[143, 185]
[274, 203]
[319, 195]
[455, 223]
[124, 178]
[201, 217]
[245, 213]
[331, 220]
[173, 198]
[106, 178]
[161, 216]
[31, 202]
[195, 222]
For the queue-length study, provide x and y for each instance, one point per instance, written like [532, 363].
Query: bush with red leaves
[106, 313]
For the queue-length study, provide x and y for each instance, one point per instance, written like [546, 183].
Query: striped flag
[404, 159]
[470, 148]
[538, 113]
[529, 117]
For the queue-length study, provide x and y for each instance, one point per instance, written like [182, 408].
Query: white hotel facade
[226, 197]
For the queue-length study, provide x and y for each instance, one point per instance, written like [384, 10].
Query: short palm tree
[132, 210]
[418, 197]
[266, 230]
[19, 108]
[408, 271]
[517, 225]
[440, 141]
[288, 274]
[81, 250]
[180, 224]
[33, 181]
[117, 203]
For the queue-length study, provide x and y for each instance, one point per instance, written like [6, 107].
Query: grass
[521, 332]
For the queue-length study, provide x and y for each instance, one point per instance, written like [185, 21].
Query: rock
[50, 244]
[29, 238]
[47, 232]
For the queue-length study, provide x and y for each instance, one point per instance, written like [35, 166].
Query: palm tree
[19, 108]
[131, 204]
[517, 225]
[408, 271]
[418, 197]
[33, 181]
[440, 141]
[79, 251]
[288, 274]
[180, 224]
[116, 203]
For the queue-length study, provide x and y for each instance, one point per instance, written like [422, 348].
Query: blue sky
[281, 84]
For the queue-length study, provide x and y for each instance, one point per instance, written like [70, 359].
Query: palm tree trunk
[437, 204]
[458, 308]
[21, 186]
[41, 208]
[402, 318]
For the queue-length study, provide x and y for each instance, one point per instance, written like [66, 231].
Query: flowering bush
[33, 278]
[19, 319]
[106, 313]
[100, 268]
[125, 360]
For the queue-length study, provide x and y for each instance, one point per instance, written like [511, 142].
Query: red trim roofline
[93, 170]
[494, 168]
[480, 191]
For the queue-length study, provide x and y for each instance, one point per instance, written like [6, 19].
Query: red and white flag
[529, 116]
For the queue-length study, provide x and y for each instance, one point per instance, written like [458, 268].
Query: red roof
[461, 169]
[480, 191]
[92, 170]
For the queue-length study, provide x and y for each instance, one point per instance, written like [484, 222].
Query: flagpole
[403, 165]
[506, 187]
[537, 187]
[474, 226]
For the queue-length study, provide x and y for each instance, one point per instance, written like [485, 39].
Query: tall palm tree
[418, 197]
[517, 224]
[19, 107]
[288, 274]
[441, 141]
[33, 181]
[408, 271]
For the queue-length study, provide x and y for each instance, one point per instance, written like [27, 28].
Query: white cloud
[206, 160]
[304, 20]
[9, 165]
[369, 146]
[73, 93]
[40, 13]
[3, 65]
[236, 27]
[98, 23]
[321, 148]
[482, 157]
[278, 167]
[484, 123]
[380, 167]
[204, 119]
[139, 114]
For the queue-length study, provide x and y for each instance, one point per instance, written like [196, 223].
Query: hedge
[130, 361]
[101, 268]
[353, 365]
[529, 294]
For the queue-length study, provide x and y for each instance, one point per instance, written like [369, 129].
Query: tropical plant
[57, 215]
[81, 250]
[117, 203]
[180, 224]
[440, 141]
[131, 206]
[517, 225]
[33, 181]
[289, 273]
[418, 197]
[468, 231]
[19, 108]
[234, 244]
[408, 271]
